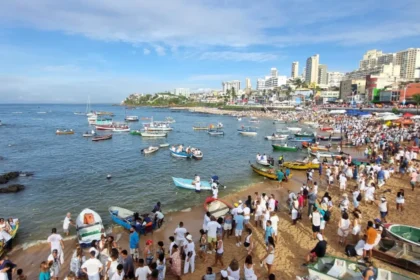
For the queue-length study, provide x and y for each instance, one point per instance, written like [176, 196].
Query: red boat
[102, 137]
[111, 127]
[326, 128]
[216, 207]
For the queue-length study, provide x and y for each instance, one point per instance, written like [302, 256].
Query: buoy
[108, 176]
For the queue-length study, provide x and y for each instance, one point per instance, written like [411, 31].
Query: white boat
[118, 129]
[197, 153]
[157, 127]
[149, 150]
[216, 132]
[277, 137]
[91, 134]
[153, 134]
[169, 120]
[294, 129]
[164, 145]
[254, 120]
[190, 184]
[322, 154]
[131, 118]
[89, 227]
[249, 131]
[332, 268]
[79, 114]
[239, 119]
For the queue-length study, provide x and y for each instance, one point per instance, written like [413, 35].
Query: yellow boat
[267, 172]
[13, 234]
[64, 132]
[298, 165]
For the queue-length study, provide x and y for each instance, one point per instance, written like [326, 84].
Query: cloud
[239, 56]
[146, 51]
[160, 50]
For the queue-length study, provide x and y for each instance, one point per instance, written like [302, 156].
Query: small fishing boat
[304, 134]
[189, 184]
[329, 138]
[333, 268]
[89, 227]
[294, 129]
[406, 233]
[279, 121]
[118, 129]
[164, 145]
[131, 118]
[254, 120]
[181, 154]
[284, 147]
[277, 137]
[149, 150]
[197, 153]
[399, 253]
[239, 119]
[315, 148]
[216, 207]
[200, 126]
[249, 131]
[153, 134]
[266, 172]
[157, 126]
[319, 154]
[303, 139]
[89, 134]
[102, 137]
[12, 235]
[121, 216]
[64, 132]
[216, 132]
[169, 120]
[135, 132]
[300, 165]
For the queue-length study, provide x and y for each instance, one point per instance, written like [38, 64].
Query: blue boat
[303, 139]
[181, 154]
[125, 218]
[187, 184]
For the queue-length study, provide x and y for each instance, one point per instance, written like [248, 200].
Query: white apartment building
[248, 83]
[312, 64]
[274, 72]
[304, 74]
[334, 78]
[273, 82]
[409, 60]
[260, 84]
[295, 69]
[322, 74]
[182, 91]
[231, 84]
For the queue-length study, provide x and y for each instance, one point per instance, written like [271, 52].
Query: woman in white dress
[343, 228]
[249, 272]
[233, 269]
[113, 262]
[356, 227]
[269, 256]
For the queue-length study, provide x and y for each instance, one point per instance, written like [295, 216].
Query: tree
[233, 93]
[416, 99]
[298, 82]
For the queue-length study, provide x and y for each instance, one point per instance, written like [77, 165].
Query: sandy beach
[293, 244]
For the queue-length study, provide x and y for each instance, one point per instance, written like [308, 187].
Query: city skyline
[56, 52]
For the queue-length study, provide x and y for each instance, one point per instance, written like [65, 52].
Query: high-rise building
[182, 91]
[231, 85]
[322, 74]
[295, 69]
[260, 84]
[274, 72]
[247, 83]
[334, 78]
[273, 82]
[311, 75]
[409, 60]
[304, 74]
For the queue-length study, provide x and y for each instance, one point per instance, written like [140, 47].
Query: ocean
[70, 170]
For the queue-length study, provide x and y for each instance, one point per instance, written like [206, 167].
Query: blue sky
[63, 51]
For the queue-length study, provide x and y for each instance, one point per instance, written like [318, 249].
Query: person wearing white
[370, 194]
[92, 267]
[56, 243]
[66, 223]
[343, 182]
[189, 255]
[179, 233]
[272, 203]
[206, 220]
[119, 275]
[274, 223]
[142, 271]
[214, 189]
[54, 263]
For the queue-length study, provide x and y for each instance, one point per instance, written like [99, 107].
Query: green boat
[303, 134]
[135, 132]
[406, 233]
[284, 147]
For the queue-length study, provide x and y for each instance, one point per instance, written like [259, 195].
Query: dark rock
[12, 188]
[8, 176]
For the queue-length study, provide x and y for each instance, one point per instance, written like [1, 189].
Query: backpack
[305, 191]
[359, 197]
[327, 216]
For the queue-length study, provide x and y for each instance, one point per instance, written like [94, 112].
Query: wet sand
[294, 242]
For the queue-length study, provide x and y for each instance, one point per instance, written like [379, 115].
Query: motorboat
[277, 137]
[64, 132]
[131, 118]
[254, 120]
[118, 129]
[153, 134]
[149, 150]
[102, 137]
[169, 120]
[157, 126]
[190, 184]
[196, 153]
[89, 134]
[164, 145]
[122, 216]
[89, 227]
[249, 131]
[216, 132]
[294, 129]
[406, 233]
[285, 147]
[181, 154]
[200, 126]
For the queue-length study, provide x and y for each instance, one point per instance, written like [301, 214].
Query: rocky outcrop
[12, 188]
[8, 176]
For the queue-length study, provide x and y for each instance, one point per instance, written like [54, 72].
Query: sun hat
[189, 237]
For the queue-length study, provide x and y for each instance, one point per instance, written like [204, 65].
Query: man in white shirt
[212, 227]
[370, 194]
[206, 220]
[247, 215]
[214, 189]
[56, 242]
[142, 271]
[272, 202]
[179, 233]
[92, 267]
[316, 221]
[274, 223]
[119, 274]
[343, 182]
[66, 223]
[189, 255]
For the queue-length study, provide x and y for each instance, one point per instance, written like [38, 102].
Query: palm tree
[233, 93]
[298, 82]
[416, 99]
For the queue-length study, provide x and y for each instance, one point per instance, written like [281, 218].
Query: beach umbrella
[408, 115]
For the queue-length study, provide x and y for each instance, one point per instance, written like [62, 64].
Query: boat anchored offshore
[131, 118]
[284, 147]
[248, 130]
[102, 137]
[64, 132]
[149, 150]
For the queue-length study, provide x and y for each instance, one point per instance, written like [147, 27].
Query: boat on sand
[216, 207]
[89, 227]
[405, 233]
[121, 216]
[301, 165]
[189, 184]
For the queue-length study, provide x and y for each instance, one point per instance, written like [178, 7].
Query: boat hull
[300, 165]
[102, 138]
[264, 172]
[180, 155]
[121, 216]
[187, 184]
[283, 148]
[248, 133]
[216, 207]
[153, 135]
[87, 232]
[12, 235]
[405, 233]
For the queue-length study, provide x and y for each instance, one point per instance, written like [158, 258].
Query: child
[20, 274]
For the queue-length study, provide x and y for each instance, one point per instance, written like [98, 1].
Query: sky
[64, 51]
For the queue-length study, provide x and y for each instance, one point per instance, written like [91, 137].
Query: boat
[398, 253]
[104, 113]
[254, 120]
[188, 184]
[121, 216]
[329, 138]
[216, 132]
[283, 131]
[149, 150]
[131, 118]
[277, 137]
[135, 132]
[304, 134]
[319, 154]
[316, 148]
[89, 134]
[79, 114]
[326, 128]
[153, 134]
[303, 139]
[332, 268]
[181, 154]
[164, 145]
[239, 119]
[360, 161]
[216, 207]
[104, 122]
[279, 121]
[294, 129]
[157, 126]
[200, 126]
[12, 235]
[118, 129]
[266, 172]
[249, 131]
[169, 120]
[405, 233]
[64, 132]
[102, 137]
[263, 162]
[284, 148]
[300, 165]
[89, 227]
[196, 153]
